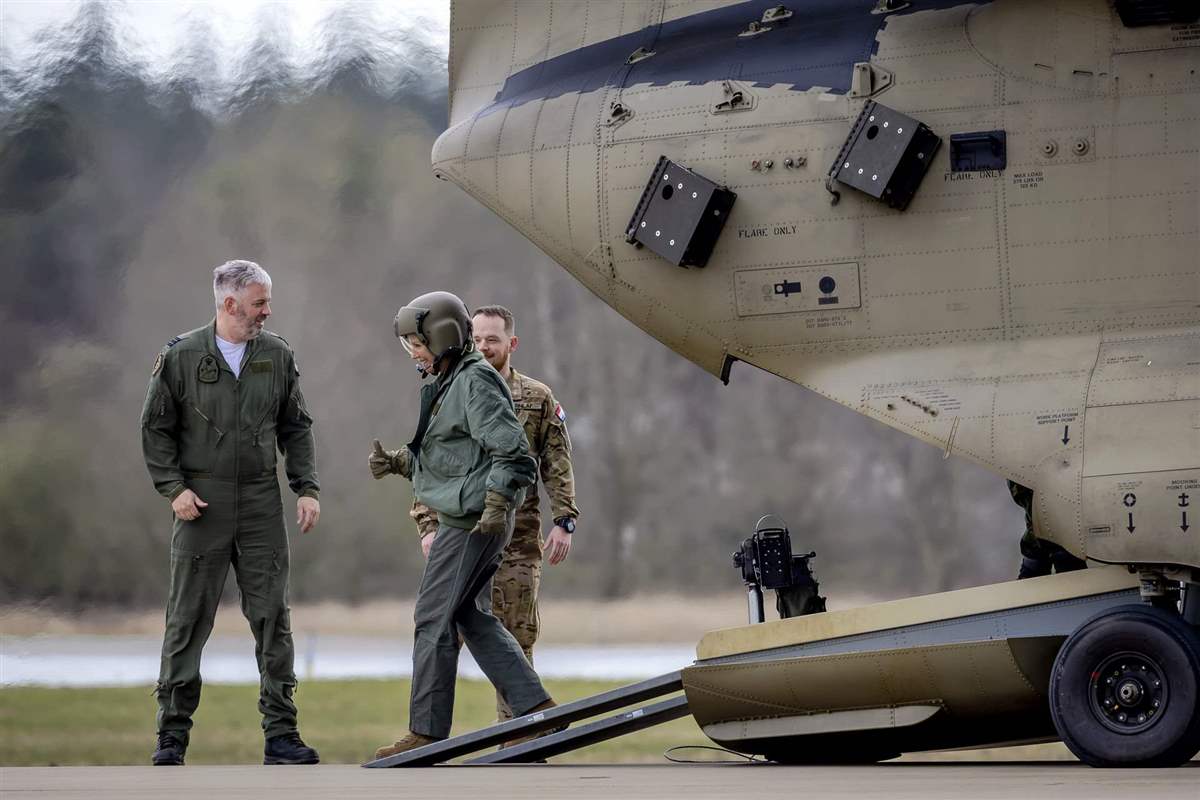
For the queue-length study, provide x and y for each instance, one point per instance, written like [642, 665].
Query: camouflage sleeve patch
[554, 462]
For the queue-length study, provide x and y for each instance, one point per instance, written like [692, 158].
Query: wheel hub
[1129, 692]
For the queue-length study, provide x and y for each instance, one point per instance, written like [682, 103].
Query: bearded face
[249, 310]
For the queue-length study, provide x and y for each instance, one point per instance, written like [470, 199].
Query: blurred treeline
[119, 192]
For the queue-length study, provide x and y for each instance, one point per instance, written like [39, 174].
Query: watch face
[568, 525]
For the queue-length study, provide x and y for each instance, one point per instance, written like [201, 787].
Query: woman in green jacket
[469, 462]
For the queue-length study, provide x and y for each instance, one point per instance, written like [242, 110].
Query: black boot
[289, 749]
[170, 751]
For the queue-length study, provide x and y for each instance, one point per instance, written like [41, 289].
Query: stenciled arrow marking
[1130, 528]
[1066, 434]
[1184, 525]
[786, 288]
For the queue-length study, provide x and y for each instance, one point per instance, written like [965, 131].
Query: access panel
[680, 214]
[886, 155]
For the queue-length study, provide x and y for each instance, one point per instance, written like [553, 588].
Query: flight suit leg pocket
[196, 581]
[189, 574]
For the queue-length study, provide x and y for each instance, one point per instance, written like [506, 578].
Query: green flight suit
[468, 443]
[205, 430]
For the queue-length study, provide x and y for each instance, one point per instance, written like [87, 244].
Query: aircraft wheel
[1125, 689]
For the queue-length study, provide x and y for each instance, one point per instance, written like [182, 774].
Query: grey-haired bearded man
[221, 399]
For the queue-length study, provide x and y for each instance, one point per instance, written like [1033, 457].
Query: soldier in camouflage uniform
[1038, 556]
[515, 585]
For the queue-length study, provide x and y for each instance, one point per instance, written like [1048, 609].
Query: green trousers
[456, 598]
[243, 527]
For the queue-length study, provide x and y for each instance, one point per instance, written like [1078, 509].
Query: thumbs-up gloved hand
[386, 462]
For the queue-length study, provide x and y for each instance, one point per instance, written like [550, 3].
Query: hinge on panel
[867, 79]
[732, 97]
[776, 14]
[618, 113]
[641, 54]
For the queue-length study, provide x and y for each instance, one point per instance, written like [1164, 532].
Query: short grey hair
[233, 276]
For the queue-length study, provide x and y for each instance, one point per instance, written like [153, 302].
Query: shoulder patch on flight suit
[158, 365]
[208, 371]
[175, 341]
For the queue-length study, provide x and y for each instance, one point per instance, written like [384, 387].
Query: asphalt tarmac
[979, 781]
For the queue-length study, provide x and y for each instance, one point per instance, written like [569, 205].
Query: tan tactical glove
[495, 515]
[388, 462]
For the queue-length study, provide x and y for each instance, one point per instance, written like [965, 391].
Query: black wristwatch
[566, 523]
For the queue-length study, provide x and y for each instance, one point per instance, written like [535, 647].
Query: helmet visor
[407, 323]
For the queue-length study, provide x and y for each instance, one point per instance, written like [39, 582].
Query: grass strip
[344, 720]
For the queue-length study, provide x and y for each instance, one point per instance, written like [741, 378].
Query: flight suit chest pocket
[198, 449]
[258, 387]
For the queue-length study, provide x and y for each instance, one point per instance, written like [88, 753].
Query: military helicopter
[975, 222]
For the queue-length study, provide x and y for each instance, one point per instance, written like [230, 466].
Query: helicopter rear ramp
[968, 668]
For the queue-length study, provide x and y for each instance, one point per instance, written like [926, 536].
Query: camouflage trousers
[515, 590]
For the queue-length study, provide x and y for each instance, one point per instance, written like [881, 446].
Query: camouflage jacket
[545, 427]
[199, 421]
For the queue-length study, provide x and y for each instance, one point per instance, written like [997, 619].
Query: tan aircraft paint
[989, 691]
[1043, 321]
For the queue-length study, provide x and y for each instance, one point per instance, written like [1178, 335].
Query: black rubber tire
[1143, 634]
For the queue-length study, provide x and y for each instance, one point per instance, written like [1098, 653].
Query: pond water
[133, 660]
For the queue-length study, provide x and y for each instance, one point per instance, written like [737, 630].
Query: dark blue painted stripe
[818, 46]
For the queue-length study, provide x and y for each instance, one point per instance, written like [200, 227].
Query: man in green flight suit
[220, 399]
[469, 462]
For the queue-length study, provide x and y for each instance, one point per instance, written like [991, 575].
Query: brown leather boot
[546, 706]
[410, 742]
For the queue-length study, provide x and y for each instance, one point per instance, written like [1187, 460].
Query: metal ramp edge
[564, 741]
[599, 731]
